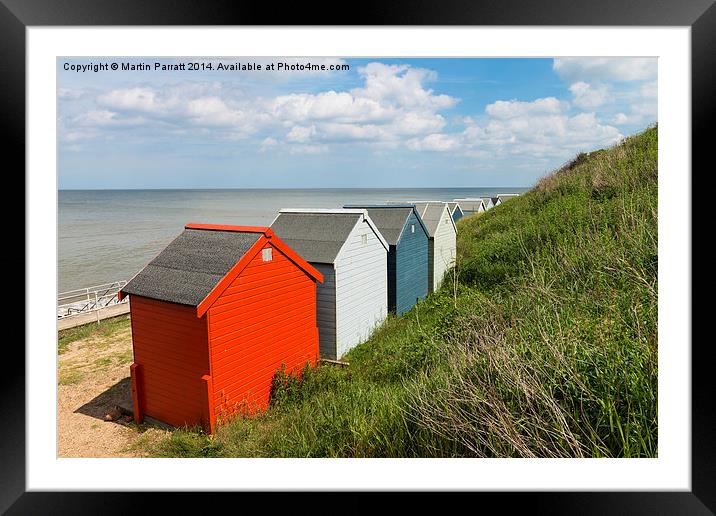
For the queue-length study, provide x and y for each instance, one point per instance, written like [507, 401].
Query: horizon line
[295, 188]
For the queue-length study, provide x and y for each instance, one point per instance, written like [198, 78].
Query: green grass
[69, 377]
[541, 343]
[105, 328]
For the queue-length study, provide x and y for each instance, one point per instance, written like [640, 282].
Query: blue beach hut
[407, 237]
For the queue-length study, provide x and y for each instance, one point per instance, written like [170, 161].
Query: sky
[433, 122]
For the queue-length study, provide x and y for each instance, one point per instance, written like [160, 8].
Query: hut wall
[361, 287]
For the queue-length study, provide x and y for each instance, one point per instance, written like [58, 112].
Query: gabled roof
[453, 207]
[318, 235]
[431, 213]
[503, 197]
[391, 219]
[471, 205]
[485, 201]
[199, 264]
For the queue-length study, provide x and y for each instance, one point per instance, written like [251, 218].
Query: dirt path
[93, 376]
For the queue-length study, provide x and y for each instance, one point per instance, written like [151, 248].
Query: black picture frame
[699, 15]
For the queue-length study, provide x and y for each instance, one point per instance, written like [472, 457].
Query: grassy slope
[543, 344]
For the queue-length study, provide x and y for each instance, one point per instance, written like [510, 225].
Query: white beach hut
[506, 197]
[442, 247]
[471, 206]
[347, 248]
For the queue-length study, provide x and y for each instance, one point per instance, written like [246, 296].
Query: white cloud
[354, 132]
[307, 149]
[412, 123]
[393, 105]
[506, 109]
[132, 99]
[542, 127]
[78, 135]
[589, 69]
[587, 96]
[268, 143]
[640, 106]
[620, 119]
[538, 129]
[187, 105]
[401, 85]
[649, 90]
[69, 94]
[102, 118]
[301, 134]
[436, 142]
[339, 107]
[213, 111]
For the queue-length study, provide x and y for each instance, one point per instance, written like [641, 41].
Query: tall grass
[545, 345]
[563, 360]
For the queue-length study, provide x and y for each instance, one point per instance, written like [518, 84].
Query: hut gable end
[254, 327]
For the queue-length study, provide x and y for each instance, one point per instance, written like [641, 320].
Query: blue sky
[382, 123]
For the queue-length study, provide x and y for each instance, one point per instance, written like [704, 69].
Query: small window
[412, 228]
[267, 254]
[364, 239]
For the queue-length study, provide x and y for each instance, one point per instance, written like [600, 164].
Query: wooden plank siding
[410, 277]
[326, 310]
[361, 288]
[170, 347]
[444, 248]
[264, 318]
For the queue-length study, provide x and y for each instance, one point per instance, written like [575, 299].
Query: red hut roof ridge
[226, 227]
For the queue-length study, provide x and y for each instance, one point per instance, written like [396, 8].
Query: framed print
[167, 160]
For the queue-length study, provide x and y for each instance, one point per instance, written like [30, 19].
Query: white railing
[90, 299]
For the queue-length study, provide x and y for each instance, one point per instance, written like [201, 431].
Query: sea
[109, 235]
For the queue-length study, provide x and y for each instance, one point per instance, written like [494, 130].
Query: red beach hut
[214, 315]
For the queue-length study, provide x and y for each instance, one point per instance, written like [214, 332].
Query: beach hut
[442, 246]
[495, 201]
[471, 206]
[350, 252]
[506, 197]
[407, 237]
[455, 211]
[214, 316]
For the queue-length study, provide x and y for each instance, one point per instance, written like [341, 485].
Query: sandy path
[93, 375]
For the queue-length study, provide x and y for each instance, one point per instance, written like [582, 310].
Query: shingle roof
[452, 206]
[390, 220]
[191, 265]
[471, 205]
[315, 236]
[431, 213]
